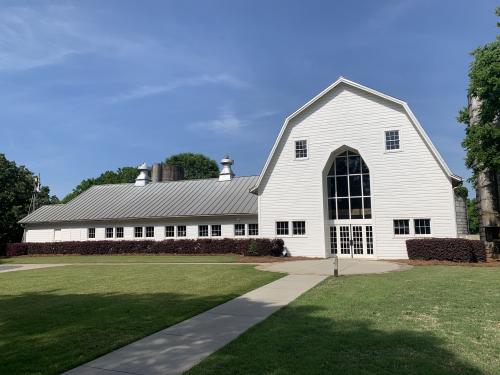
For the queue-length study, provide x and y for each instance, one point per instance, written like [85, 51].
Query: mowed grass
[54, 319]
[428, 320]
[70, 259]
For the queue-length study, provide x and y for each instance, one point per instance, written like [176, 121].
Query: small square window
[239, 229]
[181, 231]
[109, 232]
[91, 233]
[299, 228]
[301, 149]
[203, 230]
[119, 232]
[216, 230]
[422, 226]
[401, 227]
[138, 232]
[253, 229]
[392, 140]
[282, 228]
[169, 231]
[150, 232]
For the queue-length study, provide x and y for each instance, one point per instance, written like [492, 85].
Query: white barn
[352, 172]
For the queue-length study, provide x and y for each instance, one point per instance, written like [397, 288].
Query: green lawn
[120, 259]
[56, 318]
[428, 320]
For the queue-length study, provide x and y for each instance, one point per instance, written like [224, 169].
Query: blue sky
[90, 86]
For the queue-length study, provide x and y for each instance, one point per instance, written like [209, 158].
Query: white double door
[351, 240]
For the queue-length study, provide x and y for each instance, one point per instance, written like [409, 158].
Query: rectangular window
[253, 229]
[401, 227]
[138, 232]
[150, 232]
[282, 228]
[91, 233]
[119, 232]
[181, 231]
[422, 226]
[202, 230]
[299, 228]
[109, 232]
[239, 229]
[216, 230]
[392, 140]
[301, 149]
[169, 231]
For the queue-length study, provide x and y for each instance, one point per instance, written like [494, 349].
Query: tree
[195, 165]
[472, 216]
[122, 175]
[16, 187]
[482, 137]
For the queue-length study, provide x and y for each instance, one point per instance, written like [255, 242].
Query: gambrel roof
[345, 81]
[185, 198]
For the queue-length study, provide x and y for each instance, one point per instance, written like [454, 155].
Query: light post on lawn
[335, 265]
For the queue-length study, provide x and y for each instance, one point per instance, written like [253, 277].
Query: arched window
[348, 184]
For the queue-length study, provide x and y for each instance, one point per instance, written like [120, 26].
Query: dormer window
[301, 149]
[392, 140]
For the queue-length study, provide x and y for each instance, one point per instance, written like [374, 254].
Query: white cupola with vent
[226, 174]
[143, 179]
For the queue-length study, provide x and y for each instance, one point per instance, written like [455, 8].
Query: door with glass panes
[349, 206]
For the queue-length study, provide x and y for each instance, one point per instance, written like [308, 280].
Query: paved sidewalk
[24, 267]
[180, 347]
[325, 267]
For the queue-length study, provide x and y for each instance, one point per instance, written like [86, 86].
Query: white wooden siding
[405, 184]
[78, 232]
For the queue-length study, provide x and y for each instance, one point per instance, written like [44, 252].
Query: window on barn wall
[203, 230]
[401, 227]
[150, 231]
[119, 232]
[239, 229]
[282, 228]
[109, 232]
[299, 228]
[169, 231]
[138, 232]
[253, 229]
[392, 140]
[348, 188]
[91, 233]
[301, 149]
[422, 226]
[181, 231]
[216, 230]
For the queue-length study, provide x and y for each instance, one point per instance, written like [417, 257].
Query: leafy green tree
[16, 187]
[195, 165]
[122, 175]
[473, 216]
[482, 139]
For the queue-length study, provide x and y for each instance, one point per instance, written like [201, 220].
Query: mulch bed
[415, 262]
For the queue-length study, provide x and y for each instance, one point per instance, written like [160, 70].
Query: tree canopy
[17, 184]
[195, 165]
[482, 139]
[122, 175]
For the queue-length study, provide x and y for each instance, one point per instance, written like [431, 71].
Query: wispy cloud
[47, 35]
[228, 122]
[149, 90]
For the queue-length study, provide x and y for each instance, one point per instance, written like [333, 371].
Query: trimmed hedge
[451, 249]
[254, 247]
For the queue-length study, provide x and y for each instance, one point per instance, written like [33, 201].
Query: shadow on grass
[46, 333]
[299, 340]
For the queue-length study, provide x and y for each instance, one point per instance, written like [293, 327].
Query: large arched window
[348, 184]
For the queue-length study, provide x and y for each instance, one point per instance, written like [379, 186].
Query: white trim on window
[301, 148]
[400, 140]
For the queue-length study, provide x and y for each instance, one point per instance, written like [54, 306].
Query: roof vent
[226, 174]
[143, 178]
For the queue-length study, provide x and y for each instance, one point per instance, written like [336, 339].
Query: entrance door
[351, 240]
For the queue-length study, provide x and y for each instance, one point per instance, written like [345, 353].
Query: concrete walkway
[325, 267]
[24, 267]
[178, 348]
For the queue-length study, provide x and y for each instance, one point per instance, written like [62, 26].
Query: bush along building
[351, 173]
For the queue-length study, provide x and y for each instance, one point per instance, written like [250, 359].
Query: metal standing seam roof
[206, 197]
